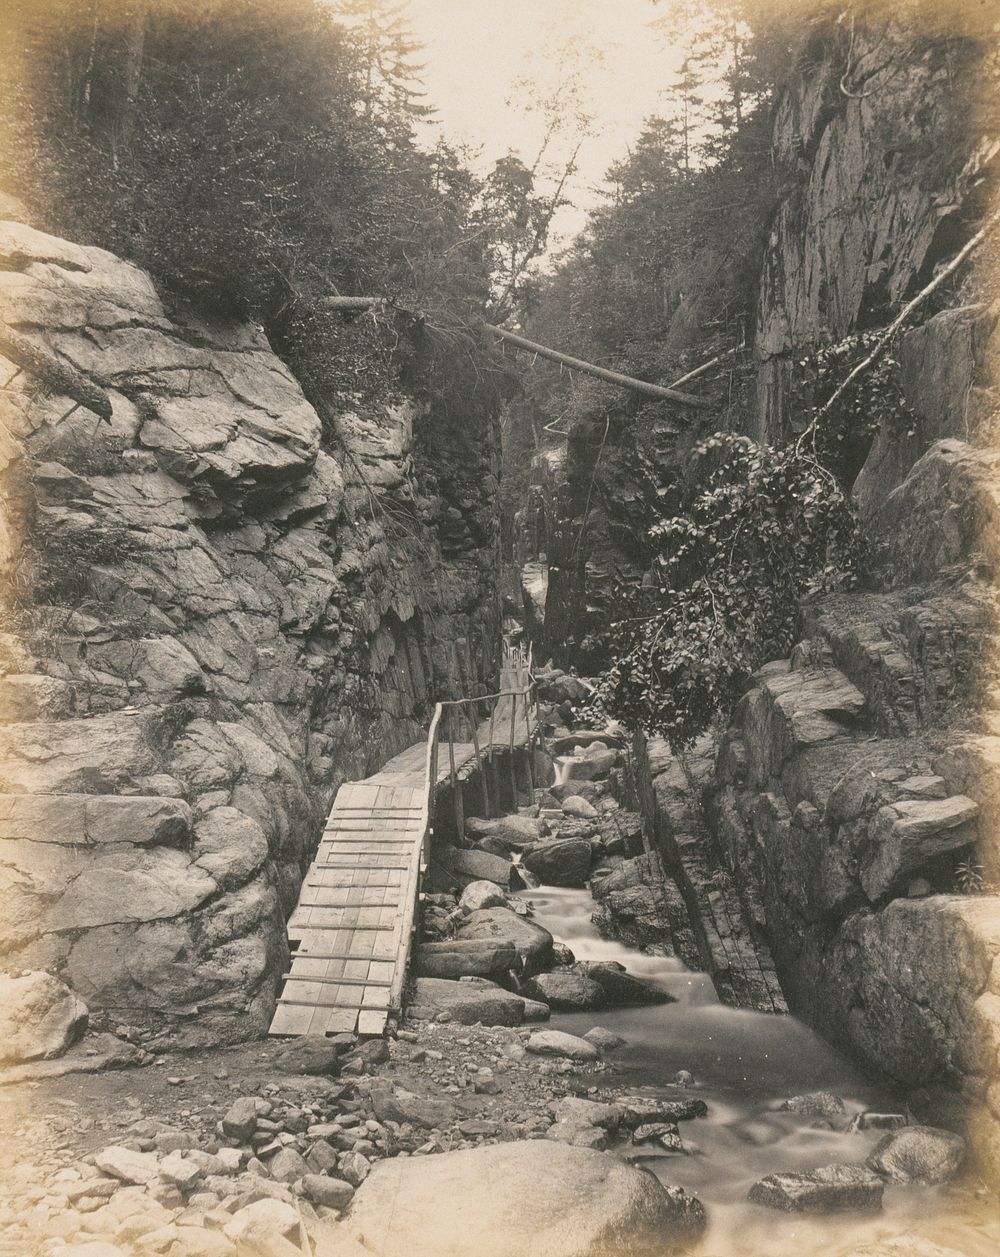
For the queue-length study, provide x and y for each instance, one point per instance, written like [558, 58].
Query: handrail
[519, 661]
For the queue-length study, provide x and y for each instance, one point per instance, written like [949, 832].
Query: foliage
[58, 566]
[255, 156]
[759, 529]
[874, 401]
[969, 877]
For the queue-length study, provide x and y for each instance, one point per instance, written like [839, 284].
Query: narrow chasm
[500, 745]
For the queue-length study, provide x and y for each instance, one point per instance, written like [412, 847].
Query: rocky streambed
[551, 1092]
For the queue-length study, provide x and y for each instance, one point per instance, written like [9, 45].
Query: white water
[744, 1064]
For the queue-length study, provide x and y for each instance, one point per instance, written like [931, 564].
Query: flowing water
[744, 1065]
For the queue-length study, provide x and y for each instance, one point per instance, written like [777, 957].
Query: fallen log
[347, 304]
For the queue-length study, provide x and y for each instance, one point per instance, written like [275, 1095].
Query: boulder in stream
[558, 1043]
[566, 991]
[579, 807]
[513, 832]
[815, 1104]
[499, 925]
[918, 1154]
[604, 1040]
[482, 895]
[521, 1199]
[460, 867]
[644, 1110]
[466, 1002]
[560, 862]
[830, 1189]
[463, 958]
[620, 987]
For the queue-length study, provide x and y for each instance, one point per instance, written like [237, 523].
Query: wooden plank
[371, 1023]
[304, 997]
[339, 1021]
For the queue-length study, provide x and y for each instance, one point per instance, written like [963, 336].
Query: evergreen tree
[388, 51]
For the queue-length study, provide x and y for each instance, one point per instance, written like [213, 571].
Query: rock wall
[848, 823]
[855, 797]
[876, 149]
[218, 607]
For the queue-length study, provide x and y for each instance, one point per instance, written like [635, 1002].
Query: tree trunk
[347, 304]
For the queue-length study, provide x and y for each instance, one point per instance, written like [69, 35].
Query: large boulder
[911, 834]
[563, 862]
[458, 867]
[566, 991]
[830, 1189]
[465, 1002]
[918, 1154]
[40, 1017]
[594, 763]
[620, 987]
[512, 832]
[531, 942]
[523, 1199]
[479, 895]
[463, 958]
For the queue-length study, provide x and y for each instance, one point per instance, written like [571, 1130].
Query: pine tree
[388, 49]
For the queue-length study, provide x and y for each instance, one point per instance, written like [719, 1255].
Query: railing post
[481, 769]
[513, 766]
[528, 751]
[456, 792]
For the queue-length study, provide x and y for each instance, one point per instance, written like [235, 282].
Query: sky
[477, 52]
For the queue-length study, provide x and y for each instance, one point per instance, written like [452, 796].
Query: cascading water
[744, 1064]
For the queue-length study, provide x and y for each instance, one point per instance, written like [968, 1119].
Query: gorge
[247, 585]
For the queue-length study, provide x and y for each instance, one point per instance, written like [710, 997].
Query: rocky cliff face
[877, 152]
[219, 608]
[847, 822]
[854, 798]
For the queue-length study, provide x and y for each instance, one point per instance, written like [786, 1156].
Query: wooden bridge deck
[351, 930]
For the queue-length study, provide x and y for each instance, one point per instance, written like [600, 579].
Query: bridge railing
[489, 725]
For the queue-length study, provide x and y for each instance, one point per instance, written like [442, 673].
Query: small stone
[240, 1121]
[287, 1166]
[265, 1217]
[181, 1171]
[558, 1043]
[127, 1165]
[604, 1040]
[334, 1193]
[815, 1104]
[355, 1168]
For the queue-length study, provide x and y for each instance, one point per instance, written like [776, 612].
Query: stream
[744, 1064]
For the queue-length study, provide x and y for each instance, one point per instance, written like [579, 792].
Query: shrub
[759, 529]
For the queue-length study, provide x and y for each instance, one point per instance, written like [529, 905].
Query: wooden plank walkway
[351, 929]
